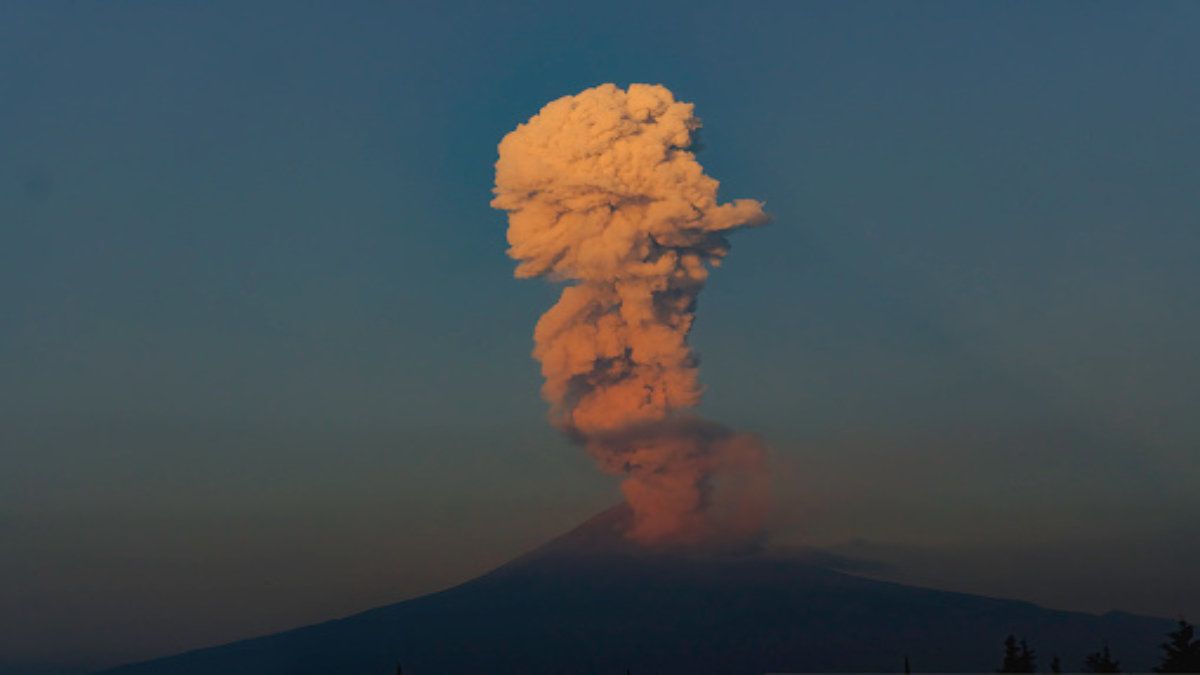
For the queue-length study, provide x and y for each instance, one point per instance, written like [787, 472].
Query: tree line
[1181, 654]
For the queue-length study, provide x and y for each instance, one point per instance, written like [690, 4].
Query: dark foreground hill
[590, 602]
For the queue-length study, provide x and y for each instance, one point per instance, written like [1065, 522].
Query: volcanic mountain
[593, 602]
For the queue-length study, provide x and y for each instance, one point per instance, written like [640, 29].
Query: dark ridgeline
[592, 602]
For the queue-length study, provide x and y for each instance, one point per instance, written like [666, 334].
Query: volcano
[591, 601]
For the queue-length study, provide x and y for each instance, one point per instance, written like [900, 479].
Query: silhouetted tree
[1018, 657]
[1182, 653]
[1055, 664]
[1101, 662]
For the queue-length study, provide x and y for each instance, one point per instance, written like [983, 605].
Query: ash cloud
[603, 192]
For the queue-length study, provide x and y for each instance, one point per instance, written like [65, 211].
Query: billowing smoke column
[601, 190]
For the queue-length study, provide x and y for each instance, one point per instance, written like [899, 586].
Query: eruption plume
[601, 190]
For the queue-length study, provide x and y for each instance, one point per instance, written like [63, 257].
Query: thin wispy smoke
[601, 190]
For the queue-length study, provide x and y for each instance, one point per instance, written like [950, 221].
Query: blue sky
[262, 356]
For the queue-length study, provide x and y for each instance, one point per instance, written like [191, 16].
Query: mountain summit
[591, 601]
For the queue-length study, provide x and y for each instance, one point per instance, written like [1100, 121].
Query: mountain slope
[592, 602]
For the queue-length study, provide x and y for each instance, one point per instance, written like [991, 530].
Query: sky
[263, 361]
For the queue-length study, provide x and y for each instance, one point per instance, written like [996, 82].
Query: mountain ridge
[592, 601]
